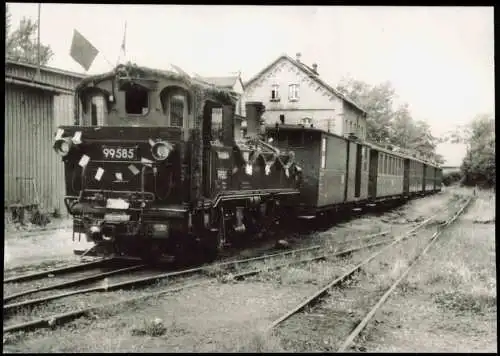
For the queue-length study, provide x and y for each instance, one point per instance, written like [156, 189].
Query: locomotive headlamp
[161, 150]
[62, 146]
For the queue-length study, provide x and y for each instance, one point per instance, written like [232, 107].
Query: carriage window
[323, 152]
[177, 105]
[137, 101]
[365, 159]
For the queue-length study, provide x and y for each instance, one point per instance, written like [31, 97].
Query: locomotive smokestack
[254, 111]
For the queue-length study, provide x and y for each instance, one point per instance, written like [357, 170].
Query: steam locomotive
[151, 172]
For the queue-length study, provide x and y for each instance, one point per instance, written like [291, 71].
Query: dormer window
[275, 95]
[293, 92]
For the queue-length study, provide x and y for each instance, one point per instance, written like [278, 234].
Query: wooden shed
[34, 106]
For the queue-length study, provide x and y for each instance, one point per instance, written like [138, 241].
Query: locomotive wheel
[186, 252]
[152, 253]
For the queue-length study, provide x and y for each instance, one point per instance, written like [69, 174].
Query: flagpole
[38, 54]
[123, 46]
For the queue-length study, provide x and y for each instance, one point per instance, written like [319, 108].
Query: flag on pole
[124, 48]
[82, 51]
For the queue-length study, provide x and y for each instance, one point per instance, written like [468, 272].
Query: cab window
[175, 104]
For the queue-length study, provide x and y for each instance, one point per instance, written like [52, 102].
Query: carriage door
[406, 177]
[357, 177]
[372, 174]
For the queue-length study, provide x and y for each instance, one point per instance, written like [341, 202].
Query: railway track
[320, 294]
[313, 253]
[56, 271]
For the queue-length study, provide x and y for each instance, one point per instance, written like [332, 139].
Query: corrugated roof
[307, 70]
[38, 85]
[45, 68]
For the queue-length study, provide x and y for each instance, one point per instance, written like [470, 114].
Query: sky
[438, 59]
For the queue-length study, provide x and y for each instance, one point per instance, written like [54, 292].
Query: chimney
[315, 68]
[297, 56]
[254, 111]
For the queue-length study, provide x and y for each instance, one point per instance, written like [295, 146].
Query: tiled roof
[309, 71]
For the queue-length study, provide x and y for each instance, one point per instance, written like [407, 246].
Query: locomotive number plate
[119, 153]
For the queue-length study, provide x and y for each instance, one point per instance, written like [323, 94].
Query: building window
[293, 92]
[275, 94]
[330, 125]
[306, 121]
[323, 153]
[137, 101]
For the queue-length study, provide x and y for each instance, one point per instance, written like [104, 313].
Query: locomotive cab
[151, 171]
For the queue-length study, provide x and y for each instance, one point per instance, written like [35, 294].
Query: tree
[423, 141]
[403, 128]
[21, 45]
[376, 100]
[479, 163]
[386, 124]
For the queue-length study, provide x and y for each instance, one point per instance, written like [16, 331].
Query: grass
[460, 278]
[456, 282]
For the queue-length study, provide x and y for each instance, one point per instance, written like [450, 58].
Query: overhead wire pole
[38, 45]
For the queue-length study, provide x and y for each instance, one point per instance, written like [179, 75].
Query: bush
[451, 178]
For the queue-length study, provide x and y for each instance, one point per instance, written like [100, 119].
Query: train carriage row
[338, 171]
